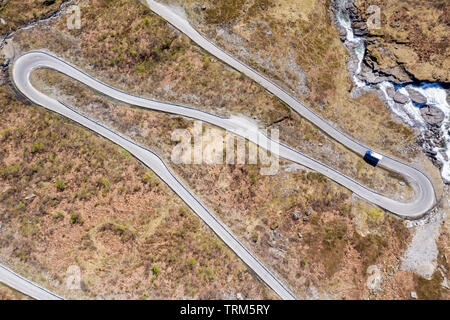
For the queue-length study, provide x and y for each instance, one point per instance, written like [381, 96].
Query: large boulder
[432, 115]
[359, 28]
[400, 98]
[416, 96]
[396, 95]
[390, 92]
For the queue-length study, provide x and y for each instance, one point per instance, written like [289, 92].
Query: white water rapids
[410, 113]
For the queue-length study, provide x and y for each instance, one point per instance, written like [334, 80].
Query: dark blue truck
[372, 158]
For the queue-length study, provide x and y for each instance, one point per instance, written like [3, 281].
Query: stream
[420, 105]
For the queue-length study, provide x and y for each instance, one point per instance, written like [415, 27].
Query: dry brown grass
[186, 75]
[250, 203]
[69, 197]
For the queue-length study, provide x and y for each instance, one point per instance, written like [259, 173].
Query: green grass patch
[60, 185]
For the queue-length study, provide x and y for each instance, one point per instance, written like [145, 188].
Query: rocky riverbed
[419, 103]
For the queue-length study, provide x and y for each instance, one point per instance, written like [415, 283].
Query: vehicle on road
[372, 158]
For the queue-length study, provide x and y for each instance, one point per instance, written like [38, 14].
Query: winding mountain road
[21, 71]
[425, 193]
[24, 65]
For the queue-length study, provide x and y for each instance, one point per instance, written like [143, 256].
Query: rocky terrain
[411, 43]
[406, 88]
[25, 13]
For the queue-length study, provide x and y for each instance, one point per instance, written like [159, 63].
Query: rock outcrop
[400, 98]
[411, 43]
[433, 116]
[416, 96]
